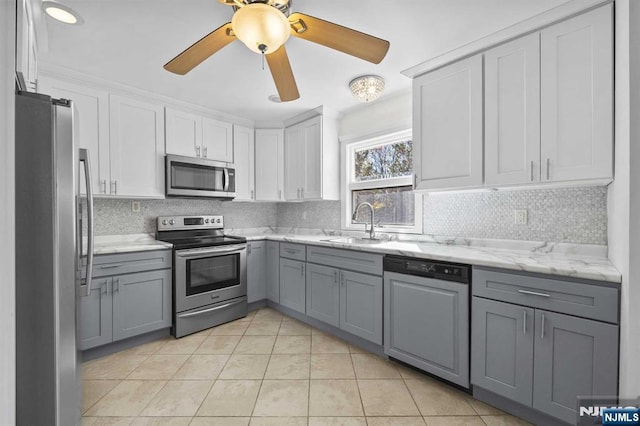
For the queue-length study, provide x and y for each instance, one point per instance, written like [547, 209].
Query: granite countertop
[588, 266]
[111, 244]
[529, 257]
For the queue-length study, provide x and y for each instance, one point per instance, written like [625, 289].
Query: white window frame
[349, 184]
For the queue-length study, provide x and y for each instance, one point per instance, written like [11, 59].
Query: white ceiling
[128, 41]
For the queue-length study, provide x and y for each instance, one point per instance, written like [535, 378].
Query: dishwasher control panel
[428, 268]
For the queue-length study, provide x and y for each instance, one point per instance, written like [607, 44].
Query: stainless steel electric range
[209, 272]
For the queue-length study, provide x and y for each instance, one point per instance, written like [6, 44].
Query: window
[380, 172]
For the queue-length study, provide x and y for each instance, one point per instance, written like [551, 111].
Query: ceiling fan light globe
[258, 25]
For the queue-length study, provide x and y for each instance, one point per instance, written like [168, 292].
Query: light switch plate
[135, 206]
[520, 217]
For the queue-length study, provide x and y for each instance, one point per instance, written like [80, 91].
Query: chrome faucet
[372, 232]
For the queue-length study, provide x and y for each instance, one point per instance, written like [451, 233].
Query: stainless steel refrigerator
[52, 186]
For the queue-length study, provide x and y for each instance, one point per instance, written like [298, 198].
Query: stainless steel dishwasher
[426, 315]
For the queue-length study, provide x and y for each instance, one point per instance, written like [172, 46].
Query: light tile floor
[271, 370]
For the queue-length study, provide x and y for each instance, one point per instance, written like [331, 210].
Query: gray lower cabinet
[426, 324]
[273, 271]
[502, 354]
[540, 358]
[572, 357]
[141, 303]
[128, 304]
[256, 271]
[361, 305]
[96, 315]
[323, 294]
[292, 284]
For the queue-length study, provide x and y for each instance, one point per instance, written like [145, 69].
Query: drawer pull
[534, 293]
[111, 266]
[290, 251]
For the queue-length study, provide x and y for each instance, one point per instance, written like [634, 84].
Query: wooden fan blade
[283, 75]
[351, 42]
[201, 50]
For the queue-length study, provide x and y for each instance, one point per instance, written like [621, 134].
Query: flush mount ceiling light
[62, 13]
[367, 88]
[265, 26]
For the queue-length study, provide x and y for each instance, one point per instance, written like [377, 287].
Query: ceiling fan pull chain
[262, 61]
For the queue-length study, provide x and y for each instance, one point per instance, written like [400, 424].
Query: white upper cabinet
[26, 45]
[311, 161]
[137, 147]
[91, 109]
[269, 169]
[243, 142]
[512, 112]
[192, 135]
[447, 126]
[217, 140]
[183, 133]
[577, 97]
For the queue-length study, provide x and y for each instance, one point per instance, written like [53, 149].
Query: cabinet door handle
[548, 164]
[542, 327]
[252, 197]
[104, 288]
[248, 248]
[532, 171]
[341, 279]
[534, 293]
[114, 187]
[279, 194]
[302, 270]
[335, 277]
[524, 322]
[204, 152]
[301, 192]
[197, 151]
[415, 180]
[104, 186]
[116, 285]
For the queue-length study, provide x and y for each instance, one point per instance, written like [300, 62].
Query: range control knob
[172, 222]
[218, 221]
[431, 268]
[164, 222]
[206, 221]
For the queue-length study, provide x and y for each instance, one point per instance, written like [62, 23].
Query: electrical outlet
[520, 217]
[135, 206]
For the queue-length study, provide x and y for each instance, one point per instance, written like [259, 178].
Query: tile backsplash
[572, 215]
[115, 216]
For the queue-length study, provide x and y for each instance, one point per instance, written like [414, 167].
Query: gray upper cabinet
[273, 271]
[323, 294]
[426, 325]
[141, 303]
[447, 126]
[95, 317]
[572, 357]
[502, 349]
[292, 284]
[361, 305]
[512, 112]
[577, 97]
[256, 271]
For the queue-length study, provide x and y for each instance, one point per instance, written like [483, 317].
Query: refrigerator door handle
[84, 158]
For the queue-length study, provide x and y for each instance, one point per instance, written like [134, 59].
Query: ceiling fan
[264, 26]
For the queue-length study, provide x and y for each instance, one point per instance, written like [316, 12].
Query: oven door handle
[187, 254]
[204, 311]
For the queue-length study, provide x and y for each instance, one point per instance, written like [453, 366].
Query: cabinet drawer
[346, 259]
[292, 251]
[126, 263]
[573, 298]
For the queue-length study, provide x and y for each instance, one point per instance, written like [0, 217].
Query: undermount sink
[354, 240]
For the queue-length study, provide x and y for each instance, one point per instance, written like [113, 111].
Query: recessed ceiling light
[275, 99]
[62, 13]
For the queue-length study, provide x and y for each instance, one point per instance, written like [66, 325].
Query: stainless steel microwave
[198, 177]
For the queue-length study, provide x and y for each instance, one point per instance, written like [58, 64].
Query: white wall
[388, 114]
[624, 193]
[7, 250]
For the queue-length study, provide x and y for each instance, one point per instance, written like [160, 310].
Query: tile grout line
[265, 369]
